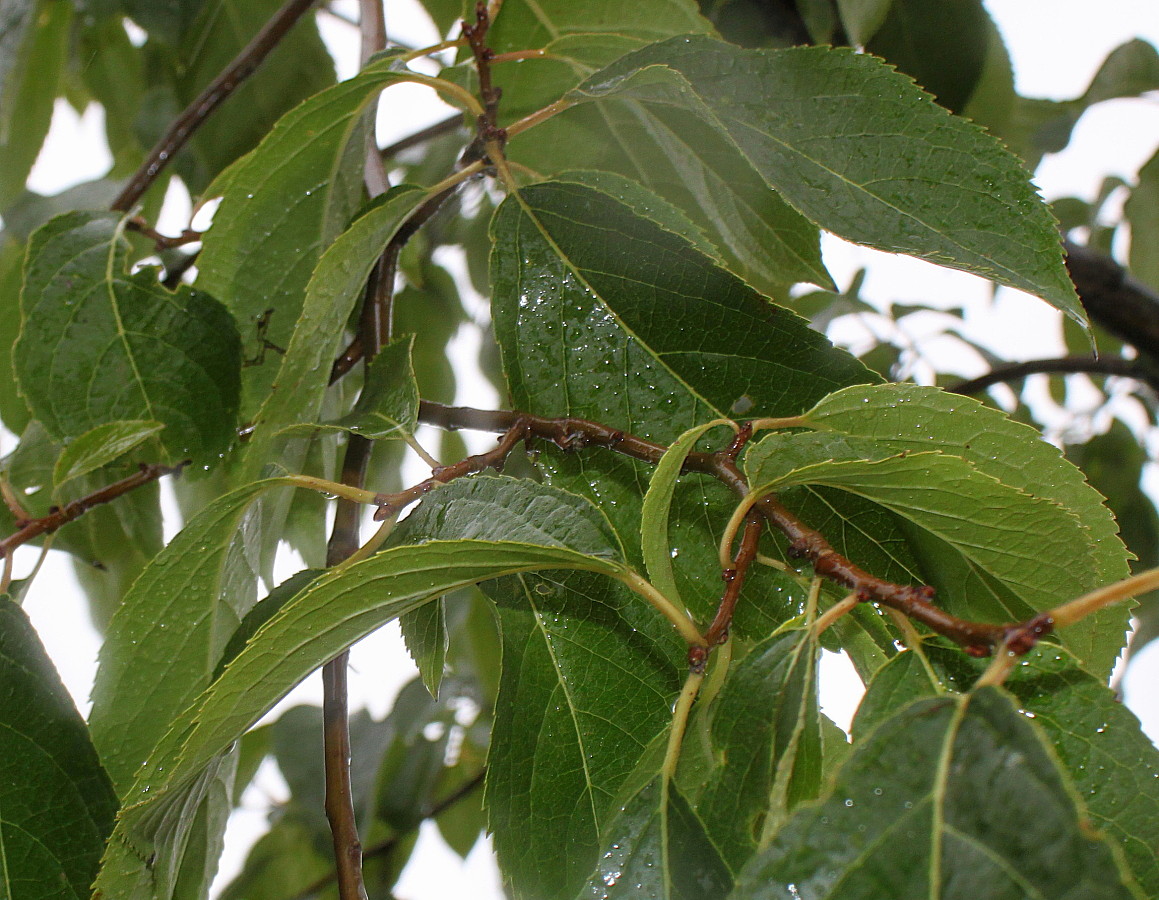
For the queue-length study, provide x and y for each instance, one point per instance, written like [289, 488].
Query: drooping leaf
[630, 326]
[862, 18]
[305, 176]
[659, 850]
[165, 641]
[911, 418]
[956, 518]
[33, 48]
[654, 544]
[137, 350]
[335, 611]
[58, 805]
[425, 632]
[101, 446]
[969, 801]
[856, 148]
[766, 730]
[1113, 764]
[673, 154]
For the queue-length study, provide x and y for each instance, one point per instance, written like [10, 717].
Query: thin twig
[386, 847]
[192, 117]
[62, 515]
[734, 578]
[448, 125]
[372, 30]
[1107, 365]
[377, 320]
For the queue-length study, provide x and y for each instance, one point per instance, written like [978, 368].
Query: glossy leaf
[57, 801]
[654, 543]
[101, 446]
[956, 517]
[332, 613]
[911, 418]
[304, 177]
[659, 850]
[766, 730]
[586, 685]
[140, 351]
[856, 148]
[969, 801]
[628, 325]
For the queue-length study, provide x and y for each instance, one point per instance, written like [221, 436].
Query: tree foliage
[618, 609]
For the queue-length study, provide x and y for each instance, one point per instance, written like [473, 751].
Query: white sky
[1056, 46]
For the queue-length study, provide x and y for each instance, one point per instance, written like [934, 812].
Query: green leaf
[389, 403]
[856, 148]
[297, 68]
[766, 729]
[57, 802]
[943, 47]
[425, 633]
[659, 850]
[533, 23]
[674, 155]
[862, 18]
[332, 613]
[1045, 126]
[1142, 212]
[910, 418]
[33, 48]
[956, 797]
[654, 544]
[956, 516]
[101, 446]
[1113, 764]
[99, 345]
[586, 685]
[305, 177]
[13, 409]
[165, 641]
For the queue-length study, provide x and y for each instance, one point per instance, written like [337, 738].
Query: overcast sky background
[1056, 46]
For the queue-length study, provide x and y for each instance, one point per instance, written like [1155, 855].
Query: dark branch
[61, 516]
[1115, 301]
[242, 66]
[1110, 365]
[734, 578]
[446, 126]
[805, 542]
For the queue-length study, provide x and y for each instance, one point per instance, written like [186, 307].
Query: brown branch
[162, 241]
[978, 638]
[734, 579]
[421, 137]
[387, 846]
[62, 515]
[381, 286]
[1115, 301]
[1108, 365]
[191, 118]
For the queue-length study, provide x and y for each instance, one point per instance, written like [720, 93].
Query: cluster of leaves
[638, 216]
